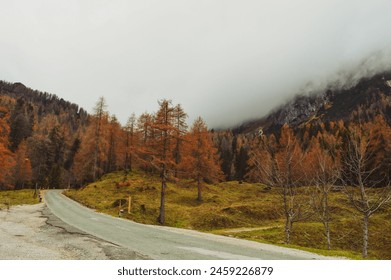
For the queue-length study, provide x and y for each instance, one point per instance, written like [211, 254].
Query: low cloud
[228, 61]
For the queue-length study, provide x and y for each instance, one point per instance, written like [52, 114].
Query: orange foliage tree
[145, 133]
[262, 160]
[278, 164]
[201, 161]
[7, 160]
[180, 124]
[322, 169]
[130, 143]
[92, 154]
[161, 148]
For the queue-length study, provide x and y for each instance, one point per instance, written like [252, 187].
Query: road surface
[158, 242]
[32, 232]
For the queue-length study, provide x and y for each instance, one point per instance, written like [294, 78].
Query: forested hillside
[307, 149]
[50, 143]
[39, 137]
[54, 143]
[322, 121]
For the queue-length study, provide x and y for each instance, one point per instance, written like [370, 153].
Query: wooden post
[130, 204]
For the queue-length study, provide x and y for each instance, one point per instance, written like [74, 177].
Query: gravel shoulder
[32, 232]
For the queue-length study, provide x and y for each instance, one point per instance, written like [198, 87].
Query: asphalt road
[158, 242]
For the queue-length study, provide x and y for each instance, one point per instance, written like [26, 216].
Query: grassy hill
[249, 211]
[17, 197]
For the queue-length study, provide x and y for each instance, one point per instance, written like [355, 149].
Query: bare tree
[129, 148]
[288, 175]
[99, 113]
[358, 180]
[327, 173]
[279, 165]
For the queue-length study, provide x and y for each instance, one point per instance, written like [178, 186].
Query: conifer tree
[99, 114]
[201, 161]
[181, 127]
[130, 130]
[162, 148]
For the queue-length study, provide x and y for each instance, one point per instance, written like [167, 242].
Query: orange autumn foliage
[200, 160]
[7, 160]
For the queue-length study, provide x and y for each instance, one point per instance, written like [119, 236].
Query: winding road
[159, 242]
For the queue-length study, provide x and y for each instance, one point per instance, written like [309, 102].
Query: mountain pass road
[159, 242]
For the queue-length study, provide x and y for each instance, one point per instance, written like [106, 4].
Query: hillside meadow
[241, 210]
[17, 197]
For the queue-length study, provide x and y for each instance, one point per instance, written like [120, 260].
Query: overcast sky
[225, 60]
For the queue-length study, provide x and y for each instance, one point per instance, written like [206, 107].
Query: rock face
[301, 109]
[370, 96]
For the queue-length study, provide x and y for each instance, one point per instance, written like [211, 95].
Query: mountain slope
[368, 98]
[41, 132]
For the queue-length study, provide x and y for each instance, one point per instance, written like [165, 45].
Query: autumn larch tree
[262, 160]
[322, 168]
[278, 164]
[115, 147]
[181, 128]
[163, 148]
[130, 130]
[288, 176]
[86, 161]
[146, 136]
[201, 160]
[99, 114]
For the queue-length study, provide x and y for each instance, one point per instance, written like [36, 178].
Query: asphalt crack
[111, 250]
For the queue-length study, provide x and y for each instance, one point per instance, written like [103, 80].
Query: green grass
[17, 197]
[248, 211]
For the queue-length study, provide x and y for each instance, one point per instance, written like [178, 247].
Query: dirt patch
[238, 230]
[32, 232]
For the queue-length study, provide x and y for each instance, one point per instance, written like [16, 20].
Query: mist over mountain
[345, 78]
[228, 61]
[368, 97]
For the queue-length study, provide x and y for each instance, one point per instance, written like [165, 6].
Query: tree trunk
[161, 218]
[199, 198]
[326, 218]
[327, 232]
[131, 151]
[288, 229]
[288, 220]
[35, 190]
[365, 235]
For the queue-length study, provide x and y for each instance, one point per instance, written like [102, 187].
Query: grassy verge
[16, 197]
[248, 211]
